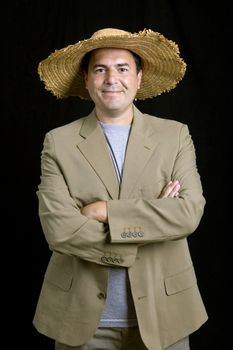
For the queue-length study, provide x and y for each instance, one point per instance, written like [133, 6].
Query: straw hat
[162, 66]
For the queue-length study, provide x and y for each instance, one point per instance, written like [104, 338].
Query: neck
[118, 118]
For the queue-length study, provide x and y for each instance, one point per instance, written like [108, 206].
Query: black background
[31, 30]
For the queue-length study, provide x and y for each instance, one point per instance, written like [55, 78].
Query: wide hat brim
[162, 66]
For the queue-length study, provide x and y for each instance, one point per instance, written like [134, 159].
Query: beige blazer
[145, 234]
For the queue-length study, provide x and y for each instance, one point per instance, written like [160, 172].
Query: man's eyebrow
[122, 64]
[104, 65]
[99, 65]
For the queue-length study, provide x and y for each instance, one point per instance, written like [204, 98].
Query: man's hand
[96, 211]
[170, 190]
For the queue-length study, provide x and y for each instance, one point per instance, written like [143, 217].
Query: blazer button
[101, 295]
[104, 259]
[109, 259]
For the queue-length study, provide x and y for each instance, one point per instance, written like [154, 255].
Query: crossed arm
[98, 210]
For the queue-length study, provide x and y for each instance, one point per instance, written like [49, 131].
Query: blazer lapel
[95, 150]
[139, 150]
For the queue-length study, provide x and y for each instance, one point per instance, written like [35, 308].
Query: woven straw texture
[162, 65]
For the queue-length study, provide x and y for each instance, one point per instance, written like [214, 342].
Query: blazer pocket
[58, 276]
[181, 281]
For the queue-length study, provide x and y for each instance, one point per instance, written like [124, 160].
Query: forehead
[109, 54]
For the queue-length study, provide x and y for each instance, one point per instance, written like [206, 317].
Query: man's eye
[123, 69]
[99, 70]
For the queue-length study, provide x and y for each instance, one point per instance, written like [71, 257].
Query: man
[119, 194]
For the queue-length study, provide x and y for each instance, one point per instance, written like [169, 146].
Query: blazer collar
[139, 150]
[95, 149]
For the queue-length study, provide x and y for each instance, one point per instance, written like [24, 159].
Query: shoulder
[67, 129]
[67, 133]
[162, 122]
[164, 126]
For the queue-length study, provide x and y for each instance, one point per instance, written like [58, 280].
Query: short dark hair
[86, 59]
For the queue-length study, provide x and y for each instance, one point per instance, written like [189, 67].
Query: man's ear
[139, 78]
[85, 76]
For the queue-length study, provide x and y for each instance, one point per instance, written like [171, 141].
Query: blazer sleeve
[65, 228]
[145, 220]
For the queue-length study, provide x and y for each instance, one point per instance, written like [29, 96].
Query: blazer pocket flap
[181, 281]
[58, 277]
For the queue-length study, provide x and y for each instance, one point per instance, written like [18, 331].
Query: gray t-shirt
[119, 309]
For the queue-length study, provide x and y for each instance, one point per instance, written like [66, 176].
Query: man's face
[112, 79]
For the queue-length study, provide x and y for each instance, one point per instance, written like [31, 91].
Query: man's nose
[111, 77]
